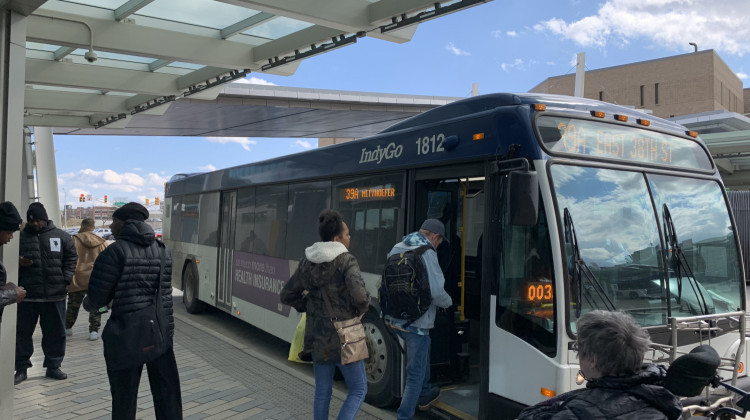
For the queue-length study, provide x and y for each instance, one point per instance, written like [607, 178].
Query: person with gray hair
[619, 385]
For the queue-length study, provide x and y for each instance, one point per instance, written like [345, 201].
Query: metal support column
[12, 83]
[46, 173]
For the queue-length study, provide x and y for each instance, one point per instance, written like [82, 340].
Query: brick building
[669, 87]
[96, 212]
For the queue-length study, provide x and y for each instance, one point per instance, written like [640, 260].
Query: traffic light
[156, 201]
[147, 202]
[105, 198]
[81, 198]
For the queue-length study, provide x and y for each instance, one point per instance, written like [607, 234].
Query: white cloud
[242, 141]
[254, 81]
[137, 169]
[511, 34]
[497, 34]
[207, 168]
[455, 50]
[742, 75]
[720, 25]
[517, 64]
[304, 144]
[86, 181]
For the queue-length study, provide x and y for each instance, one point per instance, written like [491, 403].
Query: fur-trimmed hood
[321, 252]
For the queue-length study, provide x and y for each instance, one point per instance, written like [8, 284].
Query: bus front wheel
[190, 290]
[382, 366]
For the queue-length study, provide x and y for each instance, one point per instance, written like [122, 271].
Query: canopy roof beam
[244, 25]
[129, 8]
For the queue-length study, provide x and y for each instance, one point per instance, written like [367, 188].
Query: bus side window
[270, 219]
[245, 219]
[306, 201]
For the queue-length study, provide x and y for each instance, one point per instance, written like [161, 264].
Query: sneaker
[56, 373]
[68, 332]
[425, 401]
[20, 376]
[93, 335]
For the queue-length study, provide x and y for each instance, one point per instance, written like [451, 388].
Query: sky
[503, 46]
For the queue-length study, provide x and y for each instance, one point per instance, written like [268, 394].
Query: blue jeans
[417, 372]
[356, 382]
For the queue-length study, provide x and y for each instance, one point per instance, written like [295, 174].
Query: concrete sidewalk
[220, 379]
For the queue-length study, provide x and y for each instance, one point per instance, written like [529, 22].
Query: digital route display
[615, 141]
[368, 193]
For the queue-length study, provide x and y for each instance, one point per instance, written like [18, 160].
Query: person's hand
[25, 262]
[20, 294]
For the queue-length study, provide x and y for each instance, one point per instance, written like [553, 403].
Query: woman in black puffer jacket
[127, 275]
[611, 347]
[329, 268]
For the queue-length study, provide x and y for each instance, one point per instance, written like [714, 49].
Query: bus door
[455, 196]
[226, 249]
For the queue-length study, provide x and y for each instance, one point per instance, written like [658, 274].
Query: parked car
[103, 232]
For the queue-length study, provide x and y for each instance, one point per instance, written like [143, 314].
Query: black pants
[165, 389]
[51, 317]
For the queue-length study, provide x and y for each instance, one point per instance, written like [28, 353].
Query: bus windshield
[618, 216]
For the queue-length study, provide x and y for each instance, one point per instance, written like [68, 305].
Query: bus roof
[384, 151]
[491, 101]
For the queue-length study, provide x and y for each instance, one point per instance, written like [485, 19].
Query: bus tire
[381, 368]
[190, 289]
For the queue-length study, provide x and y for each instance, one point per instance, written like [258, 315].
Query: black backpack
[404, 291]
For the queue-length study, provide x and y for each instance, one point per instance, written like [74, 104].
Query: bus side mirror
[523, 196]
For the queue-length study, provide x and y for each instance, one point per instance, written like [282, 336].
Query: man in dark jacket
[619, 386]
[10, 221]
[47, 263]
[126, 274]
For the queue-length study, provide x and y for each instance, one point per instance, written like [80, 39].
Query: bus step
[443, 411]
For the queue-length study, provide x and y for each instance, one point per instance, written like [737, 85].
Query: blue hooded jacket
[440, 298]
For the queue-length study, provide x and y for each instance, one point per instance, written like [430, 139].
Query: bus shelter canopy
[101, 63]
[727, 136]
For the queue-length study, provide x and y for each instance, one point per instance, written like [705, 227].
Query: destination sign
[614, 141]
[368, 193]
[538, 292]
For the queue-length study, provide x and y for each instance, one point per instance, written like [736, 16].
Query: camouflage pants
[74, 303]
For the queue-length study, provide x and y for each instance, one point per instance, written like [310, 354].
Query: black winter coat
[126, 274]
[54, 256]
[637, 397]
[326, 268]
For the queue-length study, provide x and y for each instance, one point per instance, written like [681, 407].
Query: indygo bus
[553, 206]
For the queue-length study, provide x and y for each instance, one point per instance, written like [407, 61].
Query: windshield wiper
[678, 262]
[581, 269]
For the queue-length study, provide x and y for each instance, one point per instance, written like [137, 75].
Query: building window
[656, 93]
[642, 102]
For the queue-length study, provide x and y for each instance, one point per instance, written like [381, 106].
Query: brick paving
[220, 379]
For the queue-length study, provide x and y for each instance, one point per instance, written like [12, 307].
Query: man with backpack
[411, 289]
